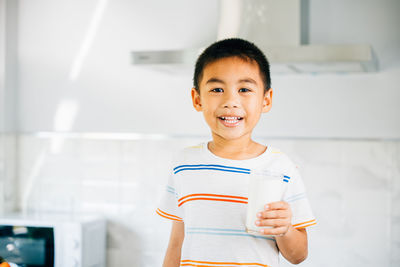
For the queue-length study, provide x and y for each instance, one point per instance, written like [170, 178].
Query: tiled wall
[2, 155]
[354, 188]
[8, 167]
[121, 179]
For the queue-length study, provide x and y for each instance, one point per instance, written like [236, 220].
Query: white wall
[112, 95]
[358, 21]
[353, 187]
[8, 107]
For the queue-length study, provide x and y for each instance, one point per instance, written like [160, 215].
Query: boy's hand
[276, 214]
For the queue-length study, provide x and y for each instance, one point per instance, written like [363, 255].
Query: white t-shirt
[209, 194]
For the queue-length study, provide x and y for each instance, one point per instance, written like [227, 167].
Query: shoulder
[188, 154]
[279, 155]
[282, 160]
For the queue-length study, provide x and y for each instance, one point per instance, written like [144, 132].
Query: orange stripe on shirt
[197, 265]
[168, 217]
[167, 214]
[304, 226]
[211, 195]
[213, 199]
[220, 263]
[189, 264]
[313, 220]
[230, 264]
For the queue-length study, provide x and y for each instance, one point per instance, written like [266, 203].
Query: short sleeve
[295, 195]
[168, 206]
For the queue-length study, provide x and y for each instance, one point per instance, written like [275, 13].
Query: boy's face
[232, 97]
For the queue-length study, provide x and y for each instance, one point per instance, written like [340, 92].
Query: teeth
[230, 118]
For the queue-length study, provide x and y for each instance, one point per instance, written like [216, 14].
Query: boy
[206, 196]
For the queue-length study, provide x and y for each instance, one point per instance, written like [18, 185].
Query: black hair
[232, 47]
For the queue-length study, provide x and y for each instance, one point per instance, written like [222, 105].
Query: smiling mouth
[230, 121]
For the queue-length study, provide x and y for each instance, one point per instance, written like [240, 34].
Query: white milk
[264, 188]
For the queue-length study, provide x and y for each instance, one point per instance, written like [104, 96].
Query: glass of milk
[264, 187]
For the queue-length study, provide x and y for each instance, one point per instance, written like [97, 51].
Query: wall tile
[2, 165]
[395, 205]
[8, 172]
[353, 188]
[99, 150]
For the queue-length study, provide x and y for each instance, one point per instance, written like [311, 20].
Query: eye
[244, 90]
[217, 90]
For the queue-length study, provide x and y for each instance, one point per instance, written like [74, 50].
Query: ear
[196, 100]
[267, 100]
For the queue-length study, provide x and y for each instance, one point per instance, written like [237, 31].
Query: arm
[292, 243]
[173, 254]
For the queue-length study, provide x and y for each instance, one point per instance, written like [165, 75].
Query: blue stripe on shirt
[232, 234]
[223, 231]
[295, 197]
[172, 192]
[212, 165]
[170, 188]
[215, 229]
[217, 169]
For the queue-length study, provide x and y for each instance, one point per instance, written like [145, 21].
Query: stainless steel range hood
[280, 29]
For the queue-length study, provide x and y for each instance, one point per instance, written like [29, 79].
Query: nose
[231, 100]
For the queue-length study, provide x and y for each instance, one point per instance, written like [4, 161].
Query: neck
[242, 148]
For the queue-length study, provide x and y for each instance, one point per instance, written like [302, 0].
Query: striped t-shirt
[209, 194]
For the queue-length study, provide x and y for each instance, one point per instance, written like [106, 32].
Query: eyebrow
[214, 80]
[245, 80]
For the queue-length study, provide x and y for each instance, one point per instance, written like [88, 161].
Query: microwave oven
[53, 240]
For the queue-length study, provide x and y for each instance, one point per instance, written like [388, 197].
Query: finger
[273, 231]
[273, 214]
[272, 222]
[279, 205]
